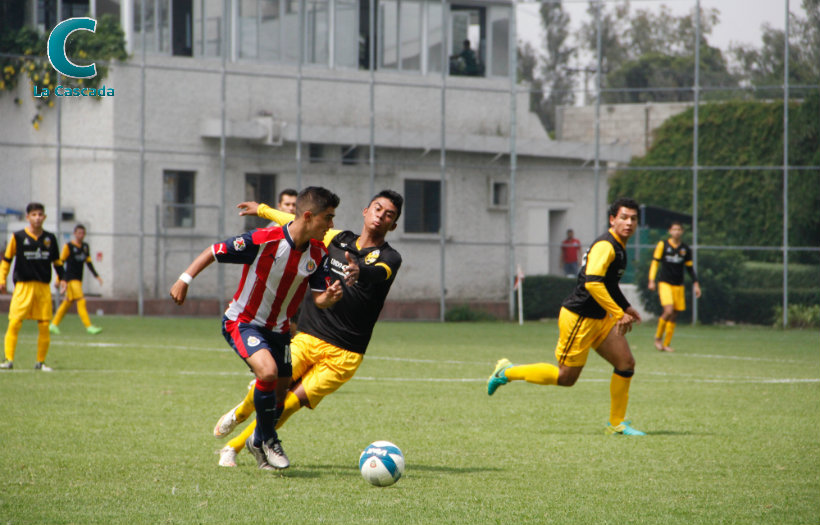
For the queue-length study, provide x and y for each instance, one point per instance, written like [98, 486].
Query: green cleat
[93, 330]
[623, 430]
[498, 378]
[53, 329]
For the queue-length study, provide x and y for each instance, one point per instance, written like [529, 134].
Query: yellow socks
[61, 311]
[538, 373]
[11, 338]
[661, 328]
[291, 406]
[238, 442]
[43, 340]
[670, 330]
[619, 396]
[82, 311]
[246, 407]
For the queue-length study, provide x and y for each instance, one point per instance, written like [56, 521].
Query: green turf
[121, 431]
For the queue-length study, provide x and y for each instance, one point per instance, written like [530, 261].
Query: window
[317, 32]
[499, 194]
[259, 187]
[422, 206]
[350, 155]
[178, 199]
[316, 152]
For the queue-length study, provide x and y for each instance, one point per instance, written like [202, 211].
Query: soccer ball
[381, 463]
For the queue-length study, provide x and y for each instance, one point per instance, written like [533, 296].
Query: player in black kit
[331, 342]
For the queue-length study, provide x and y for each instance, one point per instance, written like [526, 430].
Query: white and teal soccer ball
[381, 463]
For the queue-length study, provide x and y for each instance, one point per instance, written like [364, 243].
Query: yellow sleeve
[279, 217]
[599, 258]
[5, 265]
[65, 253]
[656, 257]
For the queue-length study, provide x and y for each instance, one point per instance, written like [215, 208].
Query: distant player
[596, 315]
[36, 251]
[673, 256]
[287, 201]
[75, 256]
[279, 265]
[333, 341]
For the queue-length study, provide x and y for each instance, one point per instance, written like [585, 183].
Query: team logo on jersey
[47, 242]
[372, 257]
[310, 266]
[239, 244]
[253, 341]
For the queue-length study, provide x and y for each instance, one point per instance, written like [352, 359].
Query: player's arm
[279, 217]
[180, 288]
[5, 264]
[57, 261]
[653, 268]
[92, 269]
[325, 293]
[599, 258]
[690, 267]
[383, 270]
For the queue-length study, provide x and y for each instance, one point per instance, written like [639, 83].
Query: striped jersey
[275, 276]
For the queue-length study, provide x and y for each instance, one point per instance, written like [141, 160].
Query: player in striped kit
[279, 264]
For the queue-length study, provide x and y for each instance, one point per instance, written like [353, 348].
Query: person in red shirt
[569, 254]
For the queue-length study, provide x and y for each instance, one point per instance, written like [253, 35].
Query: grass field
[121, 431]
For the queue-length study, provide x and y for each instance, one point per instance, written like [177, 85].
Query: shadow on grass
[317, 471]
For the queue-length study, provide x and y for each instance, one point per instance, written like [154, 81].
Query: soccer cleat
[7, 365]
[498, 378]
[623, 430]
[226, 423]
[258, 454]
[275, 454]
[43, 367]
[53, 329]
[227, 457]
[93, 330]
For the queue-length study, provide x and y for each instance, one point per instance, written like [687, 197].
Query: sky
[740, 20]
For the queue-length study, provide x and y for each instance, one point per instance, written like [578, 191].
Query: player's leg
[615, 349]
[236, 415]
[678, 305]
[43, 342]
[20, 308]
[10, 340]
[667, 300]
[58, 317]
[41, 310]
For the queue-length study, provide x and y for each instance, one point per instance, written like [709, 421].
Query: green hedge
[543, 295]
[760, 305]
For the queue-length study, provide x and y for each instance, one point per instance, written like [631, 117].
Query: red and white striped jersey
[275, 277]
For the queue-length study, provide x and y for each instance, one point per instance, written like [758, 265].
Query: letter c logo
[56, 47]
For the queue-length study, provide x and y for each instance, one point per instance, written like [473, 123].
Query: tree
[548, 74]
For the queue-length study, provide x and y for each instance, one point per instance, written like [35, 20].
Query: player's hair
[623, 202]
[392, 196]
[315, 199]
[679, 223]
[289, 192]
[79, 227]
[33, 206]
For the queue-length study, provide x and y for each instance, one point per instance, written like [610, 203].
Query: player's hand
[63, 286]
[178, 292]
[351, 270]
[636, 317]
[651, 285]
[696, 287]
[3, 288]
[99, 280]
[248, 208]
[330, 296]
[624, 324]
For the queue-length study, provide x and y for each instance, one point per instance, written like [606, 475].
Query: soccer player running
[76, 254]
[596, 315]
[673, 256]
[279, 264]
[36, 251]
[332, 342]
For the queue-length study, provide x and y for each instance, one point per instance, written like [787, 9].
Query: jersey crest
[372, 257]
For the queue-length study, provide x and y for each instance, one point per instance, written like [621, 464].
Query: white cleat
[227, 457]
[258, 455]
[275, 454]
[226, 423]
[43, 367]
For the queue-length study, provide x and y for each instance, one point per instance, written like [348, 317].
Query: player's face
[676, 232]
[625, 222]
[287, 204]
[381, 215]
[36, 218]
[320, 223]
[79, 234]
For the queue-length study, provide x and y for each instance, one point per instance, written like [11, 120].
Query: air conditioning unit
[274, 130]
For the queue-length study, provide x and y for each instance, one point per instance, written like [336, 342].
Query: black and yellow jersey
[74, 257]
[349, 323]
[596, 291]
[672, 260]
[34, 257]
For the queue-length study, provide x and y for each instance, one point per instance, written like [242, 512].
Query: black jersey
[349, 323]
[33, 257]
[673, 260]
[74, 258]
[580, 300]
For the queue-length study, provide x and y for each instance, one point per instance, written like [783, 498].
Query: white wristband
[186, 278]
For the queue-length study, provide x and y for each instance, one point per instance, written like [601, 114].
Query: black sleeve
[618, 297]
[691, 270]
[91, 268]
